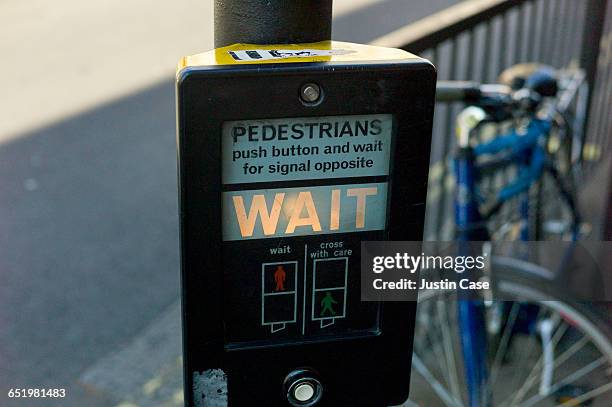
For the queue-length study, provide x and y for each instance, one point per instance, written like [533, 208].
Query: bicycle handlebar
[501, 101]
[497, 100]
[457, 91]
[464, 91]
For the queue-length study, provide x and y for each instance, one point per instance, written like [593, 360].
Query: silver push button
[303, 389]
[304, 392]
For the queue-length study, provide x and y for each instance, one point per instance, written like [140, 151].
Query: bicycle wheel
[569, 363]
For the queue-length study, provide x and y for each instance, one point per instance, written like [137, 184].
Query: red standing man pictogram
[279, 278]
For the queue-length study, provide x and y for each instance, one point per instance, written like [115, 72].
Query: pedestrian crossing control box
[289, 157]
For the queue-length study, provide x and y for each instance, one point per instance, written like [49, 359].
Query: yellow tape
[325, 51]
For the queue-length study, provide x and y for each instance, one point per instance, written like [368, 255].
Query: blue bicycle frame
[528, 151]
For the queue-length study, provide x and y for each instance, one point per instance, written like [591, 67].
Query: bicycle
[542, 151]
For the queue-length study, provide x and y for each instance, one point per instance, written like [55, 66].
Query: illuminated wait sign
[286, 212]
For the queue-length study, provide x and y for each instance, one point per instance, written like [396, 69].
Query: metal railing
[477, 39]
[600, 58]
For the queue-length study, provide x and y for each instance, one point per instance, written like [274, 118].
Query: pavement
[89, 280]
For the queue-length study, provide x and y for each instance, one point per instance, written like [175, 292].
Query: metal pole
[272, 21]
[594, 21]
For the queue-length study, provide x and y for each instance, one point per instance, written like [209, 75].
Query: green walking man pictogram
[326, 303]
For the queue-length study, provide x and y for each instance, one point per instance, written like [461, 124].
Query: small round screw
[310, 92]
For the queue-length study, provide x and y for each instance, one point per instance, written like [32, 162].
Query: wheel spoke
[410, 403]
[505, 340]
[448, 350]
[587, 396]
[438, 388]
[571, 351]
[435, 354]
[529, 380]
[436, 348]
[567, 380]
[524, 356]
